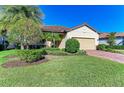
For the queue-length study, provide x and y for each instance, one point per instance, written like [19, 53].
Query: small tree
[111, 38]
[72, 45]
[23, 24]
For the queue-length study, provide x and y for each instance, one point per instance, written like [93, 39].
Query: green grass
[64, 71]
[6, 53]
[120, 51]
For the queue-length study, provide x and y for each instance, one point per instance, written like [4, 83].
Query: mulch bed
[18, 63]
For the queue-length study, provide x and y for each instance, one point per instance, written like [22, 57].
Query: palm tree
[23, 24]
[52, 37]
[47, 36]
[111, 38]
[56, 37]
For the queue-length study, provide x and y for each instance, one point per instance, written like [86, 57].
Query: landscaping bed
[32, 57]
[25, 58]
[109, 48]
[19, 63]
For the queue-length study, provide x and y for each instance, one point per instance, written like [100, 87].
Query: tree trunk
[54, 43]
[48, 44]
[27, 47]
[22, 47]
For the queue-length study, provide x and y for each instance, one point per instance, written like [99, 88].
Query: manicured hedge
[80, 52]
[72, 45]
[58, 53]
[117, 47]
[51, 49]
[62, 52]
[102, 47]
[108, 48]
[31, 55]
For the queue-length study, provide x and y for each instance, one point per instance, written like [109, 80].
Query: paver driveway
[112, 56]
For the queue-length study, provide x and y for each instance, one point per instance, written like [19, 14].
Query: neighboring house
[86, 35]
[103, 38]
[1, 41]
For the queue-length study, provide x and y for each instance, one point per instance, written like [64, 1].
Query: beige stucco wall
[83, 32]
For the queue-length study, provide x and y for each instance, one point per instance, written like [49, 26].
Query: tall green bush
[72, 45]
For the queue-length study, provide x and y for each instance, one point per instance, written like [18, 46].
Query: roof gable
[82, 25]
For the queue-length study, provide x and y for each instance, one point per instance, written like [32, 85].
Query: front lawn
[63, 71]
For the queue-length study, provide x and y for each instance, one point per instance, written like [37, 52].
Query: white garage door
[87, 43]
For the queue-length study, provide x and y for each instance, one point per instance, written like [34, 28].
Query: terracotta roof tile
[59, 29]
[105, 35]
[120, 34]
[62, 29]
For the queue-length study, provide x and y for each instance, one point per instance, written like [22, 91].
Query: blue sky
[102, 18]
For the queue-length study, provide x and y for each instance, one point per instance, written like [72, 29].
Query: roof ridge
[81, 25]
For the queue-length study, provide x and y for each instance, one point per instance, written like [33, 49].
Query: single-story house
[103, 38]
[86, 35]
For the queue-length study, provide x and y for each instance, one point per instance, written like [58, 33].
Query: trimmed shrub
[58, 53]
[81, 52]
[111, 50]
[117, 47]
[63, 53]
[51, 49]
[72, 45]
[102, 47]
[31, 55]
[63, 49]
[107, 48]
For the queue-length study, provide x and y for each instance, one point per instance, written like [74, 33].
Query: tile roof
[59, 29]
[62, 29]
[120, 34]
[105, 35]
